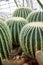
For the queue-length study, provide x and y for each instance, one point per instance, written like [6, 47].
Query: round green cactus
[15, 25]
[35, 16]
[5, 40]
[31, 38]
[22, 12]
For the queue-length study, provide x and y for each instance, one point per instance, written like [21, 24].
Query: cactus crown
[22, 12]
[35, 24]
[31, 38]
[35, 16]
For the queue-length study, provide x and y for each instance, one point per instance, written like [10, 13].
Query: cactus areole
[31, 38]
[22, 12]
[35, 16]
[5, 40]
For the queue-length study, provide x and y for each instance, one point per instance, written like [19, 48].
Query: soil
[24, 61]
[18, 58]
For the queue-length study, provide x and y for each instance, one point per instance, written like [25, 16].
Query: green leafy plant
[31, 38]
[22, 12]
[5, 40]
[35, 16]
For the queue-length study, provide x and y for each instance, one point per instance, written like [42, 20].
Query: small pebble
[17, 57]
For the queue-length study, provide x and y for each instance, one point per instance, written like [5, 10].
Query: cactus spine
[31, 38]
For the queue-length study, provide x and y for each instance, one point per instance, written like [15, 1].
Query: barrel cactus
[5, 40]
[31, 38]
[15, 25]
[22, 12]
[35, 16]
